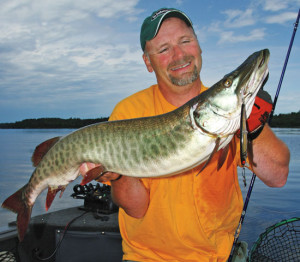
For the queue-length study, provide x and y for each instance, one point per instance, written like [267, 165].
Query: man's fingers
[85, 167]
[94, 171]
[108, 176]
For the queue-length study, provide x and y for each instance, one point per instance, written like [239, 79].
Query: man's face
[174, 54]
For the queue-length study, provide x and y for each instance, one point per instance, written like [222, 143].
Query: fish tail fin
[16, 204]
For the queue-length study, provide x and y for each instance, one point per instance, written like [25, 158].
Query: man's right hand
[128, 193]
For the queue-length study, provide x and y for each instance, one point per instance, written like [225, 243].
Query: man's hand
[128, 193]
[260, 114]
[91, 171]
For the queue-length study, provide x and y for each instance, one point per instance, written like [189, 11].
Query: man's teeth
[185, 65]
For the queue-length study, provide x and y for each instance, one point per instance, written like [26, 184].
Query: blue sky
[75, 58]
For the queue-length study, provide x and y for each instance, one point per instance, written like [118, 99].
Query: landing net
[280, 242]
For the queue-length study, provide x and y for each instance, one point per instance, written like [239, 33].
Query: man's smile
[182, 66]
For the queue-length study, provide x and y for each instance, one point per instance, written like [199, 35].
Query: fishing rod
[237, 232]
[284, 67]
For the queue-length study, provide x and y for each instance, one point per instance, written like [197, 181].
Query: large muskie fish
[163, 145]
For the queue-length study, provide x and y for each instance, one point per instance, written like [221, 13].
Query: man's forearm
[270, 158]
[130, 194]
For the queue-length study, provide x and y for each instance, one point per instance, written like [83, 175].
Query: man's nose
[178, 52]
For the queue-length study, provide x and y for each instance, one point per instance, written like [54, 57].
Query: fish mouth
[265, 80]
[257, 79]
[247, 95]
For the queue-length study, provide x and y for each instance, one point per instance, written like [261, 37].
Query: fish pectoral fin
[42, 149]
[92, 174]
[222, 156]
[52, 193]
[211, 155]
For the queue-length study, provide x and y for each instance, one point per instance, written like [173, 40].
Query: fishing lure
[243, 140]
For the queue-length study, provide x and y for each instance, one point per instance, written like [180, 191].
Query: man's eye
[163, 50]
[185, 40]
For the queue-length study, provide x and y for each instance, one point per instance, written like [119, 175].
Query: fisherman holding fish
[186, 217]
[174, 174]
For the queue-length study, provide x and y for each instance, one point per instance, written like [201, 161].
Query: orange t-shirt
[190, 217]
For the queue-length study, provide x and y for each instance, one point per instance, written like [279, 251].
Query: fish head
[250, 77]
[218, 112]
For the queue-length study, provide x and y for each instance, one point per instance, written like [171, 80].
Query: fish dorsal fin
[222, 156]
[41, 150]
[211, 155]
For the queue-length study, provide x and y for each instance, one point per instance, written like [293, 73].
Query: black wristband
[253, 135]
[117, 178]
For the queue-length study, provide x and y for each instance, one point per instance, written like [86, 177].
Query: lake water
[267, 206]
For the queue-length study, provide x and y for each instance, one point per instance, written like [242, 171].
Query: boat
[89, 232]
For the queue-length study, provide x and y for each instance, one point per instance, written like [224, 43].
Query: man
[184, 217]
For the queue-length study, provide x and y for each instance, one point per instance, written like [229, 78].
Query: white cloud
[231, 37]
[108, 56]
[61, 9]
[65, 50]
[10, 31]
[275, 5]
[281, 18]
[238, 18]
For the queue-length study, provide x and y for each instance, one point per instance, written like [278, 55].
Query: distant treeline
[53, 123]
[282, 120]
[286, 120]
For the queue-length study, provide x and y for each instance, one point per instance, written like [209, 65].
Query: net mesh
[6, 256]
[280, 242]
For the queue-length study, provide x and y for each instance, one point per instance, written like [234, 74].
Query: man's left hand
[260, 113]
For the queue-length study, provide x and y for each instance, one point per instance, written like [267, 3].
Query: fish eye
[227, 82]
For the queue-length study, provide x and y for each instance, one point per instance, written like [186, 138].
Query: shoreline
[291, 120]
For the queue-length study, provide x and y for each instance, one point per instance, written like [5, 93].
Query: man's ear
[147, 63]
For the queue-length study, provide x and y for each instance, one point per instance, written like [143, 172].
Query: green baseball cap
[152, 23]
